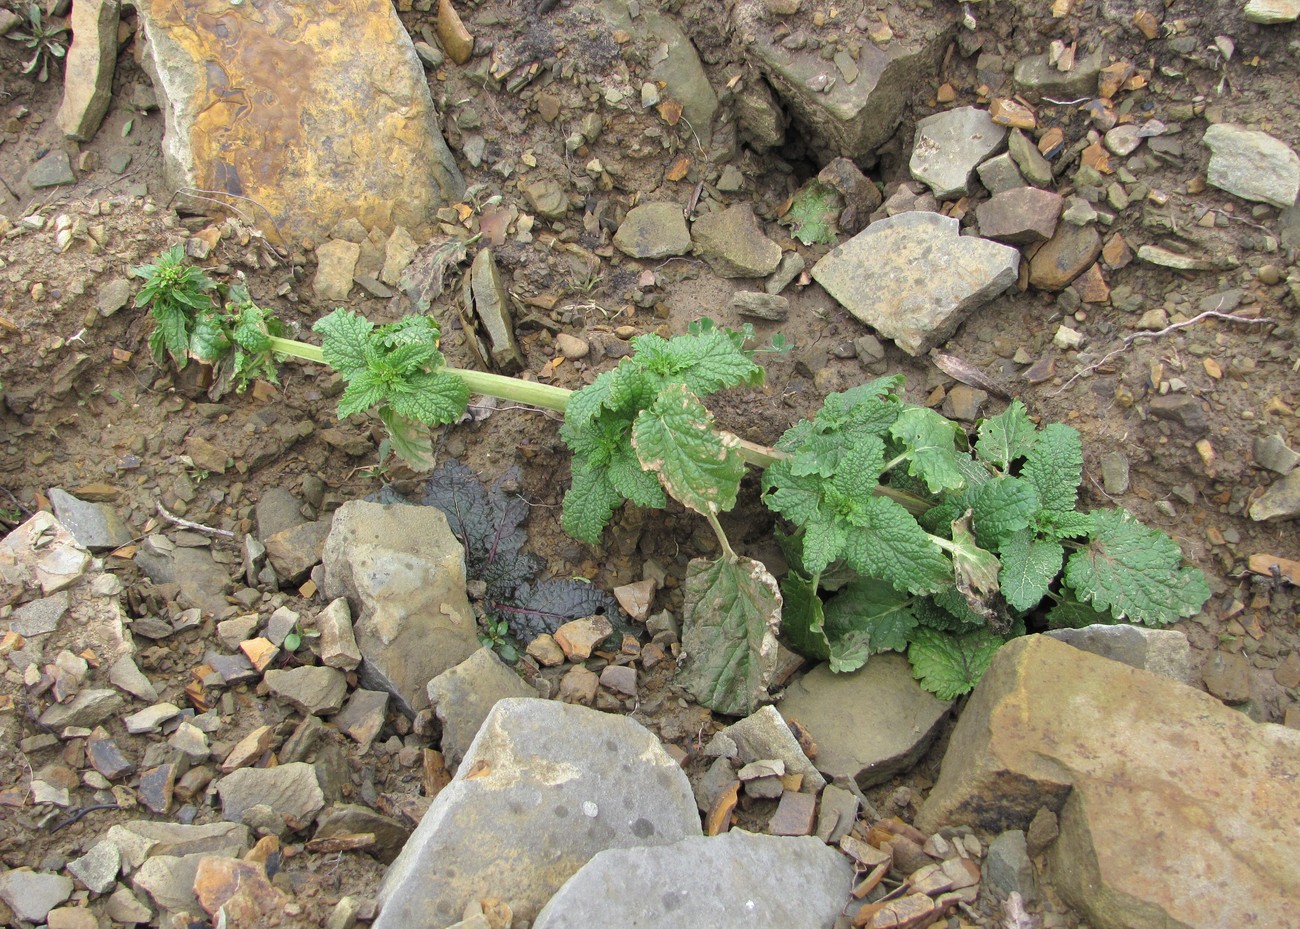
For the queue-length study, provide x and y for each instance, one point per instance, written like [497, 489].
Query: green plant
[45, 41]
[494, 633]
[902, 533]
[177, 294]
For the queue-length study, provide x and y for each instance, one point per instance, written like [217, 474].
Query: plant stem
[722, 538]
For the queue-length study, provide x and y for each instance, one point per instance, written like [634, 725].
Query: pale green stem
[722, 538]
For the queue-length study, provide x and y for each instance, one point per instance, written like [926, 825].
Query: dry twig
[188, 524]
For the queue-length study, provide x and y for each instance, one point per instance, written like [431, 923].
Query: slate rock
[1130, 761]
[653, 230]
[1063, 257]
[126, 675]
[238, 892]
[140, 839]
[311, 689]
[40, 616]
[1161, 651]
[1000, 174]
[32, 894]
[87, 709]
[338, 644]
[1280, 501]
[202, 581]
[277, 510]
[168, 880]
[1273, 453]
[1022, 215]
[105, 756]
[1183, 409]
[291, 790]
[869, 725]
[484, 290]
[1227, 676]
[914, 279]
[1028, 159]
[54, 170]
[948, 147]
[125, 907]
[755, 305]
[1252, 165]
[88, 68]
[463, 696]
[41, 552]
[363, 716]
[95, 526]
[552, 785]
[352, 819]
[1036, 74]
[765, 735]
[1271, 12]
[297, 154]
[733, 243]
[738, 880]
[1007, 868]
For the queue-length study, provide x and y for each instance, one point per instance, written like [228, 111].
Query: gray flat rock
[950, 145]
[764, 735]
[54, 170]
[914, 279]
[733, 243]
[313, 689]
[543, 788]
[32, 894]
[738, 880]
[291, 790]
[1252, 165]
[463, 696]
[653, 230]
[88, 709]
[1161, 651]
[868, 725]
[39, 617]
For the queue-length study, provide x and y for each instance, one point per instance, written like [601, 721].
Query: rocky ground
[139, 695]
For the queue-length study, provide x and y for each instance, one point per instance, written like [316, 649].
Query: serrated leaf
[1069, 525]
[950, 665]
[823, 542]
[631, 389]
[893, 547]
[706, 361]
[813, 213]
[1135, 572]
[1002, 507]
[344, 339]
[1069, 613]
[585, 405]
[1029, 566]
[976, 569]
[731, 615]
[698, 466]
[859, 468]
[430, 398]
[363, 391]
[875, 608]
[850, 652]
[929, 442]
[589, 503]
[1006, 437]
[1055, 466]
[797, 497]
[208, 342]
[802, 617]
[170, 336]
[410, 440]
[632, 481]
[544, 607]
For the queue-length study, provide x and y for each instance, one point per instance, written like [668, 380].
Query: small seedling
[494, 633]
[44, 39]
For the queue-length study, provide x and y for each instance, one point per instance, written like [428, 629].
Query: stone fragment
[1161, 651]
[403, 573]
[463, 696]
[1063, 257]
[1038, 75]
[1128, 793]
[311, 689]
[363, 716]
[737, 880]
[190, 741]
[948, 147]
[733, 243]
[87, 709]
[913, 278]
[249, 749]
[456, 40]
[1227, 676]
[1028, 159]
[1183, 409]
[653, 231]
[1272, 12]
[398, 252]
[138, 840]
[41, 552]
[291, 790]
[126, 675]
[869, 725]
[151, 718]
[578, 637]
[202, 581]
[1252, 165]
[765, 735]
[105, 757]
[338, 644]
[579, 686]
[88, 68]
[999, 174]
[239, 891]
[794, 814]
[546, 650]
[1123, 140]
[352, 819]
[608, 784]
[1154, 254]
[1022, 215]
[157, 787]
[32, 894]
[1280, 501]
[487, 309]
[1007, 868]
[54, 170]
[297, 154]
[545, 197]
[293, 552]
[791, 266]
[771, 307]
[71, 917]
[619, 679]
[168, 880]
[125, 907]
[40, 616]
[571, 347]
[861, 196]
[1273, 453]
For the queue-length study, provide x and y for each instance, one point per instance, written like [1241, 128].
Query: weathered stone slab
[403, 573]
[290, 790]
[463, 696]
[543, 788]
[88, 68]
[1161, 651]
[949, 146]
[914, 279]
[737, 880]
[274, 104]
[1252, 165]
[1175, 811]
[95, 526]
[868, 725]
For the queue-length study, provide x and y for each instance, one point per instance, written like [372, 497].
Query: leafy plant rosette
[902, 534]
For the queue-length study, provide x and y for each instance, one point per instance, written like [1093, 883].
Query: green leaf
[823, 542]
[632, 481]
[345, 337]
[208, 342]
[813, 213]
[1028, 568]
[859, 468]
[796, 497]
[589, 503]
[1006, 437]
[802, 617]
[364, 390]
[292, 641]
[873, 607]
[1055, 467]
[976, 569]
[586, 404]
[929, 441]
[1135, 572]
[171, 334]
[1068, 525]
[430, 398]
[850, 652]
[893, 547]
[1002, 507]
[699, 466]
[950, 665]
[705, 361]
[1069, 613]
[731, 614]
[409, 440]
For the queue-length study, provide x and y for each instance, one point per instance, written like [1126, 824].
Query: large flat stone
[1175, 811]
[868, 725]
[914, 279]
[403, 573]
[544, 787]
[273, 103]
[737, 880]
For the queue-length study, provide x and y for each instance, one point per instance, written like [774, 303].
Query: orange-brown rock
[300, 115]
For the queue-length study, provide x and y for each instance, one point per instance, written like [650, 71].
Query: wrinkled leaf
[813, 213]
[1006, 437]
[1002, 507]
[731, 615]
[802, 618]
[1055, 466]
[699, 466]
[410, 441]
[929, 442]
[950, 665]
[1028, 569]
[589, 502]
[873, 608]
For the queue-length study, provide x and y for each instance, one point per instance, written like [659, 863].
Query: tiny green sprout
[44, 39]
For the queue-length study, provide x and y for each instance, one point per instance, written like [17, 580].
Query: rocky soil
[1133, 165]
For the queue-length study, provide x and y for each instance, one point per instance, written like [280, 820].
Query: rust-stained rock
[88, 71]
[319, 112]
[455, 38]
[1175, 811]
